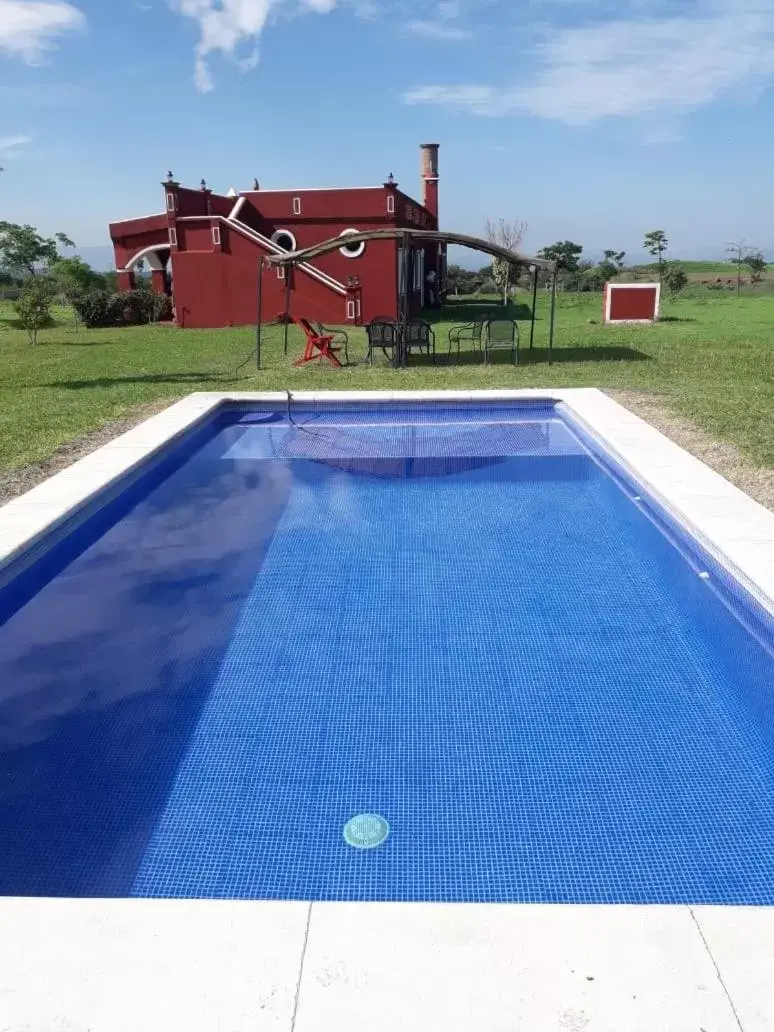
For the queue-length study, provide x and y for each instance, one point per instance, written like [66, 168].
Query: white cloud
[227, 25]
[437, 29]
[443, 27]
[29, 27]
[479, 100]
[11, 145]
[632, 66]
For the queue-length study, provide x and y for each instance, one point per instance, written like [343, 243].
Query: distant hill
[698, 268]
[99, 258]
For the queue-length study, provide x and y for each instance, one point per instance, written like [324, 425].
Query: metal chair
[468, 333]
[339, 338]
[501, 334]
[419, 336]
[384, 335]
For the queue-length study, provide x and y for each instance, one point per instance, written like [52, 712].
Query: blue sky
[590, 119]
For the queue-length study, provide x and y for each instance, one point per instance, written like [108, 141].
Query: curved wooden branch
[426, 236]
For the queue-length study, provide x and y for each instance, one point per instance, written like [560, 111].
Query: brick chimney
[429, 153]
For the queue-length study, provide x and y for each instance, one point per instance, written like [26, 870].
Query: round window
[355, 249]
[284, 238]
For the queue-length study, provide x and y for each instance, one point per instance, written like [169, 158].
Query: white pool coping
[726, 521]
[161, 965]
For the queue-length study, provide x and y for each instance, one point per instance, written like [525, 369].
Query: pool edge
[111, 965]
[738, 531]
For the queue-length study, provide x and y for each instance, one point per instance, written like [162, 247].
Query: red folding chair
[318, 345]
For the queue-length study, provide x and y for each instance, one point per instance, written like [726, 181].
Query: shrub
[674, 277]
[93, 307]
[34, 307]
[122, 308]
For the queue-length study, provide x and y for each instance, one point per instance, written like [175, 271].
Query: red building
[204, 250]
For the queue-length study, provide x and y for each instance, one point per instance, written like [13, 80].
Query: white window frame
[171, 201]
[284, 232]
[351, 310]
[296, 205]
[281, 272]
[419, 269]
[390, 203]
[360, 247]
[216, 236]
[172, 236]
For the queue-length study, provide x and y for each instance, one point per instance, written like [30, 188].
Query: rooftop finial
[170, 177]
[204, 185]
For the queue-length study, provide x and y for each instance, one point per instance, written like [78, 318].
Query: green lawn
[711, 360]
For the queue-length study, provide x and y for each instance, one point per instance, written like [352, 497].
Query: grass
[711, 360]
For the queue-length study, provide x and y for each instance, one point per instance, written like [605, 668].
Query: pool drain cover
[366, 831]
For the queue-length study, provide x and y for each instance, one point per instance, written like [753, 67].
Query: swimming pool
[463, 620]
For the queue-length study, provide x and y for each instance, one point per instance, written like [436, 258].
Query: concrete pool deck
[121, 965]
[200, 966]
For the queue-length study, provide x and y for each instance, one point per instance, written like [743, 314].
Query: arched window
[352, 250]
[284, 238]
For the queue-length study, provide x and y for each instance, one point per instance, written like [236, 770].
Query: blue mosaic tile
[454, 620]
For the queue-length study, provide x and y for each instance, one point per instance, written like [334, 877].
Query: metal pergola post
[553, 312]
[260, 313]
[405, 314]
[407, 239]
[288, 269]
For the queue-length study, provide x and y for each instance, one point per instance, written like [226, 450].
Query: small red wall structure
[631, 302]
[204, 250]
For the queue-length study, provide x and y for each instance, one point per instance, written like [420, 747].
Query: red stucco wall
[632, 303]
[221, 289]
[217, 285]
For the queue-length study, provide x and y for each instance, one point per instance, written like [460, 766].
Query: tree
[23, 250]
[34, 307]
[565, 252]
[674, 277]
[615, 260]
[756, 263]
[606, 269]
[455, 278]
[509, 236]
[594, 278]
[656, 243]
[740, 252]
[72, 275]
[464, 281]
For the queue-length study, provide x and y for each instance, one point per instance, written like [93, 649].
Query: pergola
[409, 237]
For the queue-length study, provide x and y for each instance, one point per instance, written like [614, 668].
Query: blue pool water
[461, 622]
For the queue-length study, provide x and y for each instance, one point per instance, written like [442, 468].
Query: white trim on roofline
[313, 189]
[139, 218]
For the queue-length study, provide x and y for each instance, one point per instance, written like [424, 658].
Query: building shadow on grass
[470, 309]
[606, 353]
[536, 356]
[72, 343]
[198, 376]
